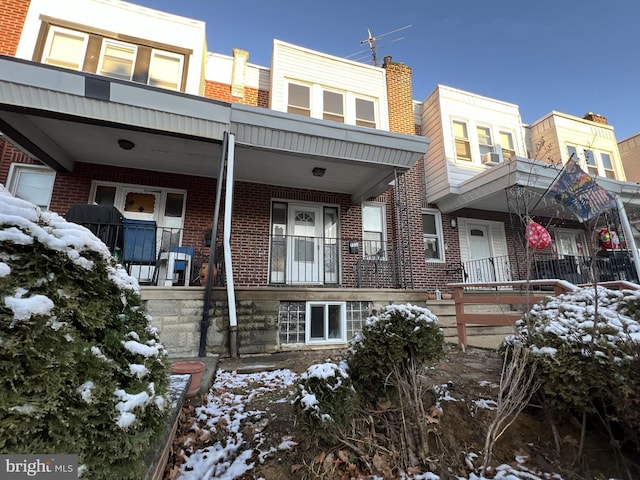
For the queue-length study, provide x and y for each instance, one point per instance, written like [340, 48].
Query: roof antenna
[371, 40]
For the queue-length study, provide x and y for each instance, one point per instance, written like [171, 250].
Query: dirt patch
[463, 385]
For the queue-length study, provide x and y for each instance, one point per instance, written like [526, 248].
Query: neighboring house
[491, 173]
[304, 156]
[629, 149]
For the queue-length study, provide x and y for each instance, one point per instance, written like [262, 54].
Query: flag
[579, 192]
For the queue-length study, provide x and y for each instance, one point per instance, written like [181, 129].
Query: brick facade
[12, 16]
[222, 91]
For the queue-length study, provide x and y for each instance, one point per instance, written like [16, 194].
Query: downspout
[228, 268]
[204, 323]
[628, 235]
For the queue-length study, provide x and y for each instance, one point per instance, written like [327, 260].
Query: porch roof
[62, 117]
[486, 191]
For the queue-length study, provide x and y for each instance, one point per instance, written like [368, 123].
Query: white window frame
[484, 147]
[53, 30]
[438, 236]
[466, 140]
[383, 237]
[364, 122]
[609, 172]
[509, 148]
[298, 109]
[155, 53]
[106, 42]
[326, 339]
[328, 114]
[13, 180]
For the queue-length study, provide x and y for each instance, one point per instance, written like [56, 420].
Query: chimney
[12, 16]
[399, 96]
[595, 117]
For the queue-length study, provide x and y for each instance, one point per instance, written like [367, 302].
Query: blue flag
[579, 192]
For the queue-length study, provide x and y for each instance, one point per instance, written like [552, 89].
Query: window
[506, 143]
[373, 230]
[117, 60]
[590, 161]
[299, 100]
[65, 48]
[607, 165]
[333, 106]
[463, 148]
[165, 70]
[431, 228]
[484, 140]
[326, 322]
[573, 153]
[365, 113]
[31, 183]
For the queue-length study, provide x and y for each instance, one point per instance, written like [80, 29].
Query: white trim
[382, 208]
[106, 42]
[439, 235]
[74, 33]
[156, 52]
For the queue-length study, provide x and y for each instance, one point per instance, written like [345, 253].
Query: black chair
[105, 221]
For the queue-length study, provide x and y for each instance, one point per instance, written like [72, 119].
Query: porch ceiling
[62, 117]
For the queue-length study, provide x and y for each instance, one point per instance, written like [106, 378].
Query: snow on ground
[224, 412]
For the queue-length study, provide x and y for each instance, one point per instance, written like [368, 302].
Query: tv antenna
[372, 39]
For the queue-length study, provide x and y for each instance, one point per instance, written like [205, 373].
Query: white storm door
[305, 225]
[481, 267]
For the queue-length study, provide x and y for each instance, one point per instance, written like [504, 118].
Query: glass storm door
[481, 268]
[305, 254]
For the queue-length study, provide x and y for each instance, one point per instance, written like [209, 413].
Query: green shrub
[83, 372]
[401, 338]
[588, 360]
[326, 400]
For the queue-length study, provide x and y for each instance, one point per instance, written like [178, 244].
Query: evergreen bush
[400, 339]
[83, 371]
[588, 357]
[326, 400]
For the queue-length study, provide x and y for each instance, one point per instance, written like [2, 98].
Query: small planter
[193, 368]
[431, 296]
[447, 296]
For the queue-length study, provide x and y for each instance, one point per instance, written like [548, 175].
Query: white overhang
[62, 117]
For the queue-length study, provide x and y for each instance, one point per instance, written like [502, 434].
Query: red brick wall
[12, 16]
[222, 91]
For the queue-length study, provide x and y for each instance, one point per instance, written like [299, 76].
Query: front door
[481, 265]
[305, 252]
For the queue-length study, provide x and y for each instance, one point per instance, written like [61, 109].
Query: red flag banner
[579, 192]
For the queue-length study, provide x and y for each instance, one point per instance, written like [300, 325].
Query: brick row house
[326, 189]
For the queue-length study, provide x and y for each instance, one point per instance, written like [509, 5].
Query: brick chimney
[595, 117]
[400, 97]
[12, 16]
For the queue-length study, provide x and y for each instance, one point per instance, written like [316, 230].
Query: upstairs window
[607, 165]
[484, 140]
[506, 143]
[333, 106]
[365, 113]
[165, 70]
[590, 161]
[572, 152]
[299, 99]
[65, 48]
[117, 60]
[463, 148]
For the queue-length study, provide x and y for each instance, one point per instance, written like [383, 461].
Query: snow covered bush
[400, 339]
[83, 372]
[326, 399]
[587, 348]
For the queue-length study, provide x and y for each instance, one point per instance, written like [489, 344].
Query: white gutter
[628, 234]
[226, 243]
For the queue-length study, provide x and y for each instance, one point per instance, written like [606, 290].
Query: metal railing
[577, 269]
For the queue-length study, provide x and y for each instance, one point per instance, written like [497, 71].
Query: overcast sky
[572, 56]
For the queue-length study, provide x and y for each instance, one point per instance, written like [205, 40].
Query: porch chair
[140, 249]
[183, 261]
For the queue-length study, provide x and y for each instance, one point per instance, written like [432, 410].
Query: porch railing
[576, 269]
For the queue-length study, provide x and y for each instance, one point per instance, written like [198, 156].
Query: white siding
[293, 63]
[559, 129]
[447, 104]
[219, 68]
[124, 18]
